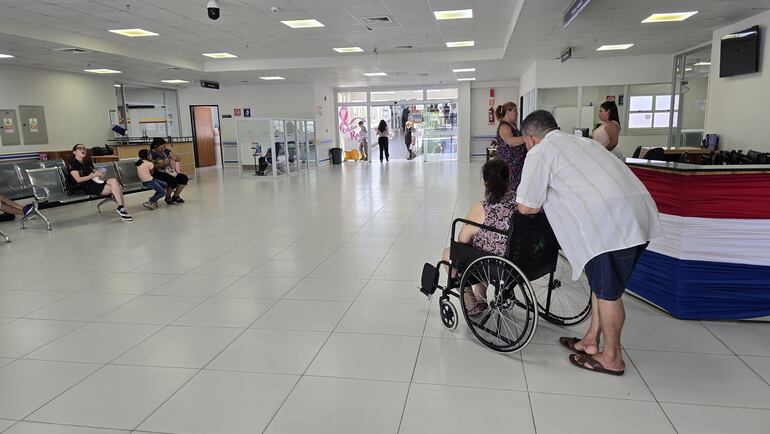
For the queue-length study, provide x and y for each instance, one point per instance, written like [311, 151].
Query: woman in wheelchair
[495, 211]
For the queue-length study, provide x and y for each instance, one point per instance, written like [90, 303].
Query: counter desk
[714, 262]
[183, 148]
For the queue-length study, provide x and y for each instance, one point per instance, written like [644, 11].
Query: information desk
[714, 262]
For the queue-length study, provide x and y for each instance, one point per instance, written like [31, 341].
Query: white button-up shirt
[594, 203]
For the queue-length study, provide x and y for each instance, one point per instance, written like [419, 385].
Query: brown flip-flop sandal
[580, 361]
[569, 343]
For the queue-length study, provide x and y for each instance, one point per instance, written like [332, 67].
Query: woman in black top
[88, 180]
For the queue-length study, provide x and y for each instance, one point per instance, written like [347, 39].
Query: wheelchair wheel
[506, 310]
[448, 314]
[561, 300]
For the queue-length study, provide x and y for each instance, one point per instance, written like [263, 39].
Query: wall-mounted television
[740, 53]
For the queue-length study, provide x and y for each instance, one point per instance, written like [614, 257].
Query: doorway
[206, 135]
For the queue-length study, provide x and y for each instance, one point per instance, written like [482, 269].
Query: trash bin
[336, 155]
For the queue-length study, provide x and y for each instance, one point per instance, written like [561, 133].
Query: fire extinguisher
[491, 120]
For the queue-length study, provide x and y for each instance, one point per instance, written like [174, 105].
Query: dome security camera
[213, 9]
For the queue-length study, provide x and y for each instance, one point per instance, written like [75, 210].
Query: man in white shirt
[603, 217]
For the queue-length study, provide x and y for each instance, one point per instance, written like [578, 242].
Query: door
[203, 137]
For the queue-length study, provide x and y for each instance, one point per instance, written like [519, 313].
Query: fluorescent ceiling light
[303, 24]
[464, 70]
[220, 55]
[467, 79]
[174, 81]
[102, 71]
[349, 50]
[272, 77]
[460, 44]
[614, 47]
[687, 69]
[384, 92]
[703, 64]
[133, 33]
[118, 85]
[5, 56]
[453, 15]
[375, 74]
[669, 17]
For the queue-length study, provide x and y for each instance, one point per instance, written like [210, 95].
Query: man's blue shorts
[609, 272]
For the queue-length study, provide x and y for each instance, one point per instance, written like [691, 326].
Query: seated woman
[495, 211]
[90, 181]
[165, 162]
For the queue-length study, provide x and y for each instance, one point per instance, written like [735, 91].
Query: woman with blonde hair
[510, 143]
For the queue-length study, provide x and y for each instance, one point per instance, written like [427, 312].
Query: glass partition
[311, 145]
[347, 122]
[351, 97]
[592, 97]
[396, 95]
[691, 84]
[302, 145]
[439, 132]
[279, 134]
[291, 146]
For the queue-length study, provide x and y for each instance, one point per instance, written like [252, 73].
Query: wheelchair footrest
[429, 281]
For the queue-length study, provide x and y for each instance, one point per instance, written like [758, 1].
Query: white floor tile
[47, 428]
[462, 410]
[118, 397]
[359, 406]
[71, 281]
[85, 306]
[391, 291]
[367, 356]
[577, 414]
[94, 343]
[274, 268]
[152, 309]
[22, 336]
[549, 370]
[759, 364]
[226, 267]
[271, 351]
[303, 315]
[340, 269]
[179, 347]
[701, 419]
[385, 318]
[226, 312]
[744, 338]
[6, 423]
[25, 385]
[411, 272]
[669, 334]
[721, 379]
[133, 283]
[360, 254]
[259, 287]
[223, 402]
[194, 286]
[463, 362]
[20, 303]
[326, 289]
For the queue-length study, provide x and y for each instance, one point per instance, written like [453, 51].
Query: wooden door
[204, 137]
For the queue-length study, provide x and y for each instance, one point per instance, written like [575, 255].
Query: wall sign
[610, 98]
[247, 113]
[237, 112]
[8, 125]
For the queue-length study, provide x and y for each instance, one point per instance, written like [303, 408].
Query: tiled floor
[291, 307]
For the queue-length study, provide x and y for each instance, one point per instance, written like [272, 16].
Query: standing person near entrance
[363, 141]
[383, 137]
[91, 182]
[165, 162]
[409, 138]
[510, 144]
[603, 218]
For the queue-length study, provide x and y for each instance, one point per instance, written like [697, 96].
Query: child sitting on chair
[144, 168]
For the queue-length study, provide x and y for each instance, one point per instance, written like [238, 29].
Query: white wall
[604, 71]
[280, 101]
[76, 105]
[464, 121]
[737, 107]
[323, 97]
[479, 114]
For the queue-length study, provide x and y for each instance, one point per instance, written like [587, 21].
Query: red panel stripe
[744, 196]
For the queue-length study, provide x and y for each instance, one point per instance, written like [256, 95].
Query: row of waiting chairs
[46, 183]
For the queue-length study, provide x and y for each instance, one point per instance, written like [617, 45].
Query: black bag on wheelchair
[532, 245]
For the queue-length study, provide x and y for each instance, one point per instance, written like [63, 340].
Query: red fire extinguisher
[491, 120]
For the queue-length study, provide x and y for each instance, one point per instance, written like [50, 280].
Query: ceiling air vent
[380, 22]
[71, 50]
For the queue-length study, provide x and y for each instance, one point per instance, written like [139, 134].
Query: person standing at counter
[92, 183]
[510, 144]
[602, 216]
[165, 160]
[608, 131]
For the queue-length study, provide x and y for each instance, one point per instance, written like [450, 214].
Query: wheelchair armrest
[478, 225]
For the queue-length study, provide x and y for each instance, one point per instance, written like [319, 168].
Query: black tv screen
[740, 53]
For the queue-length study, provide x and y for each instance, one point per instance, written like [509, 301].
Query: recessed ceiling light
[688, 69]
[220, 55]
[174, 81]
[133, 33]
[303, 24]
[669, 17]
[5, 56]
[102, 71]
[460, 44]
[614, 47]
[375, 74]
[453, 15]
[272, 77]
[467, 79]
[349, 50]
[703, 64]
[464, 70]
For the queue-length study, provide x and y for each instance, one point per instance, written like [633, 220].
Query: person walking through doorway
[363, 141]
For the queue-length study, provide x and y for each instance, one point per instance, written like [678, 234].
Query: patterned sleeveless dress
[513, 155]
[498, 216]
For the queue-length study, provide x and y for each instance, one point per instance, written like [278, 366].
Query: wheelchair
[532, 279]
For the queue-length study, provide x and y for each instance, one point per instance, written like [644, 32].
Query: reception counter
[184, 149]
[714, 262]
